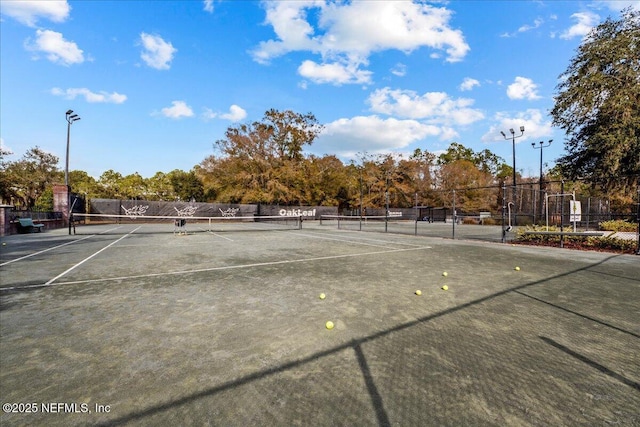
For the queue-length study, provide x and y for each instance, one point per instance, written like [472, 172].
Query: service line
[55, 247]
[203, 270]
[88, 258]
[360, 240]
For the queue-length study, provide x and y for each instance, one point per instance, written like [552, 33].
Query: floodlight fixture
[513, 140]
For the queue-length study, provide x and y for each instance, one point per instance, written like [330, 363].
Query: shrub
[612, 244]
[618, 225]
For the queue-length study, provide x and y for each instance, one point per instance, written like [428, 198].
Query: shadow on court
[202, 332]
[378, 414]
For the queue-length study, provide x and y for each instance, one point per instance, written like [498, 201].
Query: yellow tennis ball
[445, 274]
[322, 296]
[329, 325]
[517, 268]
[418, 292]
[445, 287]
[4, 244]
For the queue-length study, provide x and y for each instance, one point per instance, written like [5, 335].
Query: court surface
[227, 329]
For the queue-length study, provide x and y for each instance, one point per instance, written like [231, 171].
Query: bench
[27, 225]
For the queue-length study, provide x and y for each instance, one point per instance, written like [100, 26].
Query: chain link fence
[497, 213]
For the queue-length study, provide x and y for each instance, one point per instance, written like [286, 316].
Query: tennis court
[225, 327]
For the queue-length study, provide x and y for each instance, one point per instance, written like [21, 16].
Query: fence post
[562, 213]
[453, 217]
[504, 196]
[638, 221]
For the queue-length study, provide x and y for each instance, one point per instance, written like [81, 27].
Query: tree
[134, 186]
[7, 192]
[485, 160]
[598, 106]
[261, 162]
[82, 183]
[30, 176]
[110, 184]
[186, 185]
[159, 187]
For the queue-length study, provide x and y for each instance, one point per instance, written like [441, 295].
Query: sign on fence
[576, 211]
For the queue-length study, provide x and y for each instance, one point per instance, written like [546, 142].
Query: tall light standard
[541, 146]
[513, 140]
[70, 119]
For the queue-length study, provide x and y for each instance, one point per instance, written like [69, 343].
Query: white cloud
[524, 28]
[208, 6]
[4, 148]
[348, 32]
[209, 114]
[177, 110]
[399, 70]
[586, 21]
[28, 12]
[348, 137]
[55, 47]
[618, 5]
[89, 96]
[334, 73]
[434, 107]
[527, 27]
[523, 88]
[468, 84]
[157, 53]
[235, 114]
[534, 122]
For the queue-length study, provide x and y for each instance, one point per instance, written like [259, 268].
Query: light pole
[541, 146]
[513, 140]
[70, 119]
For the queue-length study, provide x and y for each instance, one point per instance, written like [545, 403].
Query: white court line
[222, 237]
[204, 270]
[371, 240]
[343, 240]
[89, 257]
[54, 247]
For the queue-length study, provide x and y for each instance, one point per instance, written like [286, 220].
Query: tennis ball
[329, 325]
[418, 292]
[445, 287]
[4, 244]
[445, 274]
[322, 296]
[517, 268]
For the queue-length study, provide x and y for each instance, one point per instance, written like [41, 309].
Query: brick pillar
[5, 219]
[61, 201]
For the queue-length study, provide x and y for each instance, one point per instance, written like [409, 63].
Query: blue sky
[156, 83]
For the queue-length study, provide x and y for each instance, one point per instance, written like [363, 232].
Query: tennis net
[179, 225]
[366, 223]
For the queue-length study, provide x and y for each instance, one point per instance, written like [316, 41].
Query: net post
[300, 222]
